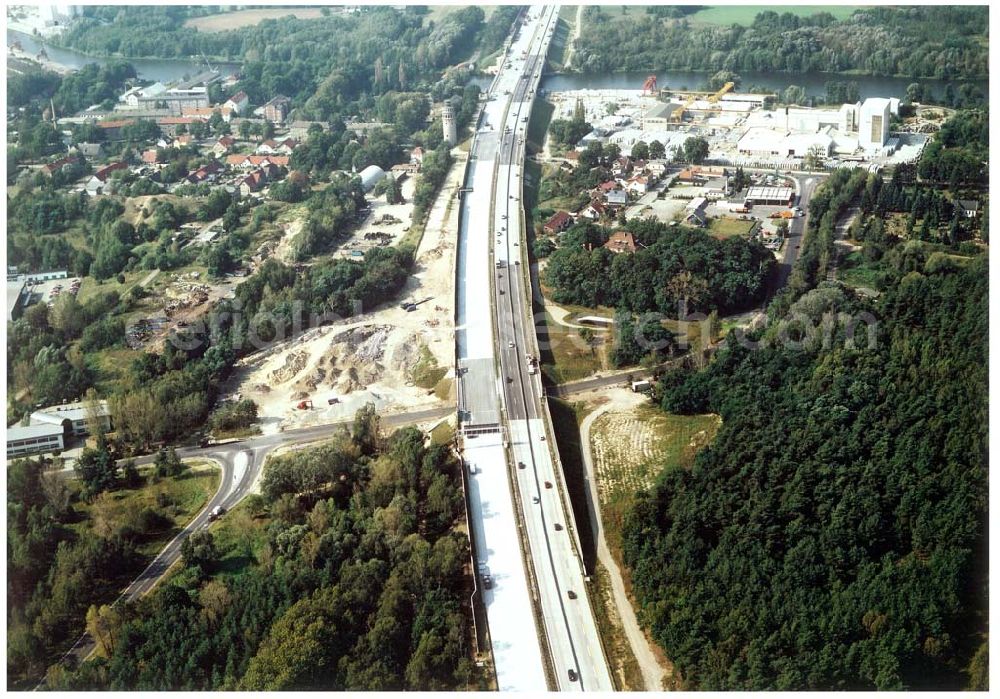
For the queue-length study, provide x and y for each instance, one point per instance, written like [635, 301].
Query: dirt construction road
[652, 673]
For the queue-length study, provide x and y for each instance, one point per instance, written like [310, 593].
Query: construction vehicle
[305, 405]
[649, 86]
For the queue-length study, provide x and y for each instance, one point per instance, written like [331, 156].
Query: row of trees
[358, 584]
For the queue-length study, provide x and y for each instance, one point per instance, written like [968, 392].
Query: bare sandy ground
[370, 357]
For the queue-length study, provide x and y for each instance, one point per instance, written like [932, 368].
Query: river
[814, 83]
[162, 69]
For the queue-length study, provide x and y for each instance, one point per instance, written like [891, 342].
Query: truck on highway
[532, 365]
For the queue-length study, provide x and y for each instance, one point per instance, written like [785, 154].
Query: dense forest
[359, 584]
[329, 66]
[834, 534]
[675, 264]
[947, 42]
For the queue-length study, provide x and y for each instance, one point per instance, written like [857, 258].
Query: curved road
[241, 462]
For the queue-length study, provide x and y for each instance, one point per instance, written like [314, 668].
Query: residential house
[91, 151]
[184, 140]
[417, 156]
[98, 183]
[54, 167]
[272, 147]
[696, 215]
[559, 222]
[594, 210]
[622, 166]
[238, 102]
[253, 182]
[223, 146]
[277, 109]
[637, 186]
[151, 156]
[299, 130]
[405, 168]
[968, 207]
[248, 162]
[206, 173]
[621, 241]
[616, 198]
[604, 187]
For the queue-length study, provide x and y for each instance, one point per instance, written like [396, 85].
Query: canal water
[814, 83]
[164, 70]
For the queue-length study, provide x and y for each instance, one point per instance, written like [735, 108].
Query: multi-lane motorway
[502, 404]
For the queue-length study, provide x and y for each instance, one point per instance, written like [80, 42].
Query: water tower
[448, 123]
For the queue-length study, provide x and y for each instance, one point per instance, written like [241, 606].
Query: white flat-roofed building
[71, 417]
[773, 196]
[34, 439]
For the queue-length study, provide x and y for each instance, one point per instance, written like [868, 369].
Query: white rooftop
[18, 432]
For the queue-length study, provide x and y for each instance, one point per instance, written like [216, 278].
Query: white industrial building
[873, 127]
[762, 142]
[71, 417]
[371, 176]
[34, 439]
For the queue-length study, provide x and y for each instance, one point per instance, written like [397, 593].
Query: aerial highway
[501, 397]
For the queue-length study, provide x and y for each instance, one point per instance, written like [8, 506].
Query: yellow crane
[678, 114]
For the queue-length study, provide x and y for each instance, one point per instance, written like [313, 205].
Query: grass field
[625, 668]
[248, 18]
[744, 14]
[726, 227]
[571, 357]
[178, 499]
[630, 448]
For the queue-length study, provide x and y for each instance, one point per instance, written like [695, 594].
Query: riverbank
[814, 83]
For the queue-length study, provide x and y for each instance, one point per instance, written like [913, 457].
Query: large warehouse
[764, 142]
[770, 196]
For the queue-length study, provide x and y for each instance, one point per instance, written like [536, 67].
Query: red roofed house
[272, 147]
[558, 223]
[151, 156]
[96, 183]
[238, 102]
[52, 168]
[621, 241]
[594, 210]
[253, 182]
[205, 173]
[223, 146]
[246, 162]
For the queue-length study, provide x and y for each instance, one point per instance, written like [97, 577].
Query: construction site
[746, 128]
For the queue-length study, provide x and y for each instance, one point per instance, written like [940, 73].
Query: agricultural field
[744, 15]
[631, 445]
[248, 18]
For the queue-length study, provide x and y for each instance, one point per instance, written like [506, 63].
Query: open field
[240, 536]
[248, 18]
[631, 446]
[744, 14]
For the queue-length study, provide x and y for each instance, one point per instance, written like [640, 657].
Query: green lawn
[570, 358]
[744, 14]
[855, 271]
[426, 373]
[726, 227]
